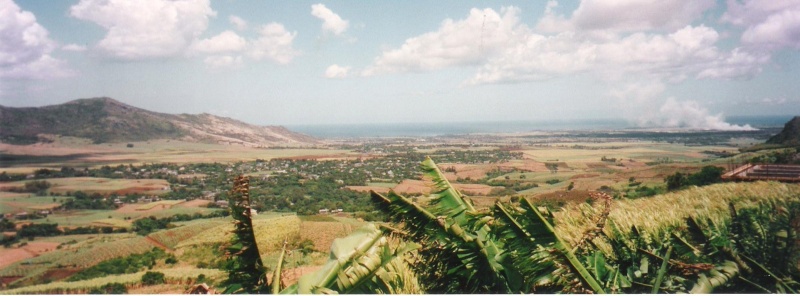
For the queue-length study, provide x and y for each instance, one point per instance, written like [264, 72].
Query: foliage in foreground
[516, 248]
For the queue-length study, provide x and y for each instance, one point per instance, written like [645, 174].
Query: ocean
[460, 128]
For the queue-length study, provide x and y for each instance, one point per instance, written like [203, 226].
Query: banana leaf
[362, 263]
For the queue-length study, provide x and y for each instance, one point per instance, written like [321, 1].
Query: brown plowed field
[32, 249]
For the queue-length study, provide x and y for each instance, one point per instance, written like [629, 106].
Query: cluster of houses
[329, 211]
[27, 215]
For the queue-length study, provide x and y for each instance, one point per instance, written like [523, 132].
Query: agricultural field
[98, 185]
[289, 186]
[66, 152]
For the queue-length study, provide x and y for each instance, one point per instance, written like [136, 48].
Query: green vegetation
[110, 288]
[129, 264]
[85, 201]
[145, 226]
[605, 248]
[707, 175]
[153, 278]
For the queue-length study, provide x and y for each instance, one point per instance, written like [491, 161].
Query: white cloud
[769, 24]
[223, 61]
[73, 47]
[25, 46]
[637, 15]
[336, 71]
[456, 43]
[227, 41]
[145, 28]
[687, 51]
[779, 30]
[508, 51]
[331, 22]
[739, 63]
[274, 43]
[238, 22]
[688, 114]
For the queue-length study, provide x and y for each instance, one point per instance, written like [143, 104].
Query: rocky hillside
[107, 120]
[790, 135]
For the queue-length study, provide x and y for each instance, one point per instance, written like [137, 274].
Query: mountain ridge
[790, 135]
[104, 119]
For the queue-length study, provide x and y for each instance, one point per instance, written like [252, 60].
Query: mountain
[108, 120]
[790, 135]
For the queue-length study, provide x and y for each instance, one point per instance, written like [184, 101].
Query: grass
[23, 202]
[81, 287]
[101, 185]
[270, 231]
[163, 203]
[116, 223]
[172, 237]
[660, 214]
[82, 254]
[160, 151]
[79, 218]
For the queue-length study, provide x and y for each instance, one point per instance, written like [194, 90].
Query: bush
[110, 288]
[153, 278]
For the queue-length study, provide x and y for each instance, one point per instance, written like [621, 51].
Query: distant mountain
[107, 120]
[790, 135]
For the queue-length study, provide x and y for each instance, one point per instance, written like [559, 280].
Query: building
[764, 172]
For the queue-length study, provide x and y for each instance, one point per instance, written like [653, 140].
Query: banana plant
[362, 263]
[458, 253]
[545, 260]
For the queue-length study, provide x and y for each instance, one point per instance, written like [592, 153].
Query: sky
[653, 63]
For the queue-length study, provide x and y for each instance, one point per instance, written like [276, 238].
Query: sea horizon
[433, 129]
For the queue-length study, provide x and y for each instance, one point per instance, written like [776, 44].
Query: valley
[99, 202]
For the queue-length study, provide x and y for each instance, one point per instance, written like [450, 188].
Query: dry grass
[660, 214]
[323, 233]
[164, 204]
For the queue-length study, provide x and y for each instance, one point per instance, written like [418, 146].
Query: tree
[675, 181]
[707, 175]
[152, 278]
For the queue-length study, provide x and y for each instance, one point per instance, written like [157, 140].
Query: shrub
[152, 278]
[110, 288]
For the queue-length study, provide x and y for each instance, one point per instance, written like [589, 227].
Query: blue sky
[682, 63]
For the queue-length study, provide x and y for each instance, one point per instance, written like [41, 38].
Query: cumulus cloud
[227, 41]
[638, 15]
[768, 24]
[688, 114]
[331, 22]
[25, 46]
[274, 43]
[508, 51]
[456, 43]
[145, 28]
[238, 22]
[336, 71]
[688, 51]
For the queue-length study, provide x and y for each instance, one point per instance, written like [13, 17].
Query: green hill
[790, 135]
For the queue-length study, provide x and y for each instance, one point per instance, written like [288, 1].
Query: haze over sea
[460, 128]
